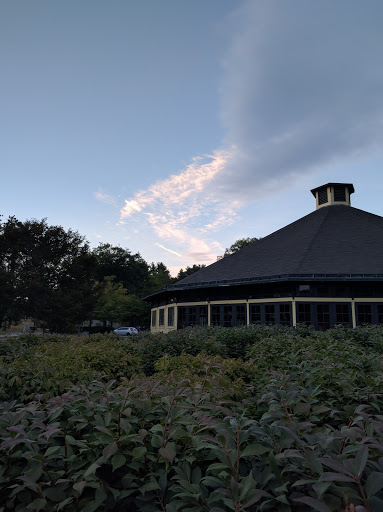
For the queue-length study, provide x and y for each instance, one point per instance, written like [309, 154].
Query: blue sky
[173, 128]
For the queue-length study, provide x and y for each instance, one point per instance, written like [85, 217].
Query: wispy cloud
[169, 250]
[180, 210]
[105, 198]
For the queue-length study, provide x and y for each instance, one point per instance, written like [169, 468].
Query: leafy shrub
[53, 367]
[203, 365]
[148, 446]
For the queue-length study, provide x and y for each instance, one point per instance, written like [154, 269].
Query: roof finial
[333, 194]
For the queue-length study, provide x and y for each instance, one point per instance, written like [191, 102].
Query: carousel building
[322, 270]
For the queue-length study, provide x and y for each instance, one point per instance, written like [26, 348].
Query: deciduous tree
[48, 273]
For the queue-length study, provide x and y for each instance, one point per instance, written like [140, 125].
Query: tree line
[52, 275]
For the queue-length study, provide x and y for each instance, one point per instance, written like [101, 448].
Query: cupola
[333, 194]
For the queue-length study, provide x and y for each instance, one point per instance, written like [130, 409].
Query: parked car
[125, 331]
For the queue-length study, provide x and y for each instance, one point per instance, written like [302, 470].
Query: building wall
[321, 312]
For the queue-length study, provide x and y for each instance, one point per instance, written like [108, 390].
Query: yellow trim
[353, 314]
[294, 312]
[201, 303]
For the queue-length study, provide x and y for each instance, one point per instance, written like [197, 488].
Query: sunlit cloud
[181, 210]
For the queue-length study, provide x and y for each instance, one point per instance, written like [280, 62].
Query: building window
[192, 316]
[380, 314]
[240, 315]
[284, 314]
[162, 317]
[215, 312]
[154, 318]
[304, 314]
[339, 194]
[322, 196]
[323, 317]
[364, 314]
[227, 316]
[181, 318]
[342, 314]
[269, 314]
[203, 315]
[170, 317]
[255, 313]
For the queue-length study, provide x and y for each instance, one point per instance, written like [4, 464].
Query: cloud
[302, 89]
[169, 250]
[181, 210]
[105, 198]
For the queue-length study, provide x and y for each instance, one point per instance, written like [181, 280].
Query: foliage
[50, 365]
[188, 271]
[112, 300]
[189, 446]
[159, 277]
[239, 244]
[296, 425]
[131, 270]
[47, 273]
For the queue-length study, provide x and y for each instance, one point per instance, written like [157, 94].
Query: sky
[173, 128]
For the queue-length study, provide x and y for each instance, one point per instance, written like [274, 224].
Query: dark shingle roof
[331, 240]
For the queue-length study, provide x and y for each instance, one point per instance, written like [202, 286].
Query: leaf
[104, 430]
[374, 483]
[14, 442]
[212, 481]
[108, 451]
[313, 503]
[34, 473]
[256, 496]
[218, 466]
[291, 433]
[92, 469]
[335, 477]
[64, 503]
[51, 450]
[254, 449]
[150, 486]
[50, 432]
[79, 486]
[139, 452]
[118, 460]
[167, 453]
[333, 464]
[38, 504]
[361, 460]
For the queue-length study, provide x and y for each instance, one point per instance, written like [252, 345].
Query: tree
[112, 301]
[239, 244]
[131, 270]
[114, 304]
[48, 273]
[159, 277]
[188, 271]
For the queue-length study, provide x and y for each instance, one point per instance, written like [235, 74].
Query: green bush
[51, 365]
[147, 446]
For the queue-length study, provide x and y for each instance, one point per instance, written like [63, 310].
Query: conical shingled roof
[336, 239]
